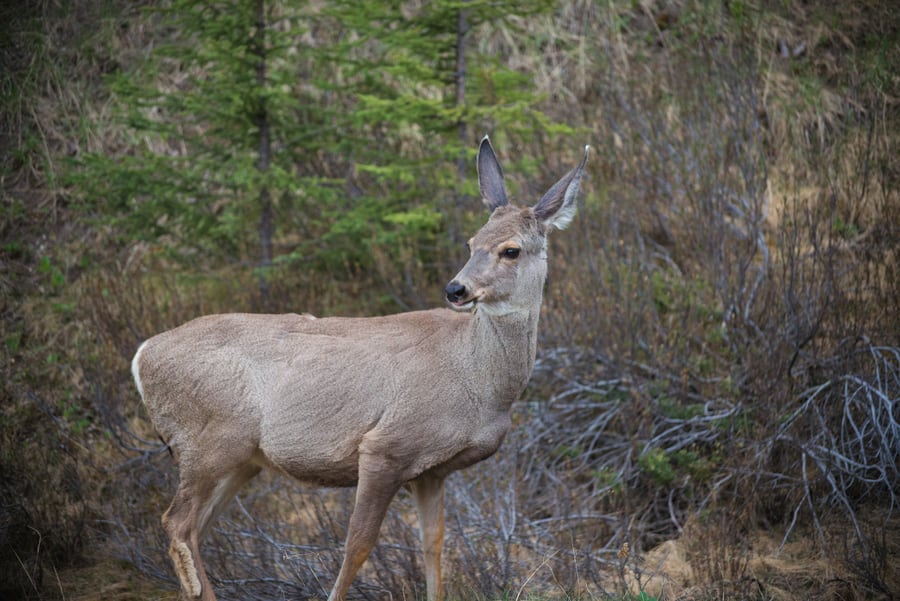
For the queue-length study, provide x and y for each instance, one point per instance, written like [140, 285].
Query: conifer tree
[266, 132]
[424, 98]
[213, 118]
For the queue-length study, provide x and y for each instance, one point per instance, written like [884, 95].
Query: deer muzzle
[459, 296]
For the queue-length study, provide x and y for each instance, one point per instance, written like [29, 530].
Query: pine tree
[423, 98]
[215, 116]
[265, 133]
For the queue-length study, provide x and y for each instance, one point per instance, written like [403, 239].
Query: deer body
[375, 403]
[312, 394]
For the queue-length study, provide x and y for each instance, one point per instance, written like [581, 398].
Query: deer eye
[509, 253]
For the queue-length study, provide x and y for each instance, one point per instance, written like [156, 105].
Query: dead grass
[716, 373]
[107, 579]
[763, 567]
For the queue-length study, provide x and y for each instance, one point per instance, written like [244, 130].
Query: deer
[379, 403]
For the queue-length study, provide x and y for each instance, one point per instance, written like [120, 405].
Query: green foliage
[607, 479]
[13, 342]
[196, 114]
[681, 466]
[73, 415]
[673, 409]
[843, 228]
[657, 465]
[345, 117]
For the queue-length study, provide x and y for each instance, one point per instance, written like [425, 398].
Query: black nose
[455, 291]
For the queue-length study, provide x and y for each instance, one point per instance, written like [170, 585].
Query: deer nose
[455, 291]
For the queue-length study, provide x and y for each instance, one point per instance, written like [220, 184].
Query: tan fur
[369, 402]
[184, 567]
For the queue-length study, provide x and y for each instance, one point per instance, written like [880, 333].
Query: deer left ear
[490, 176]
[557, 207]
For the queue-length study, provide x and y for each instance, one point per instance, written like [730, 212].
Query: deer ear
[490, 176]
[557, 207]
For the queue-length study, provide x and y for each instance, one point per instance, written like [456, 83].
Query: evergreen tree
[266, 132]
[424, 98]
[218, 118]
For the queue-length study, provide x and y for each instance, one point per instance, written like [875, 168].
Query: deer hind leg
[225, 490]
[180, 523]
[377, 486]
[197, 503]
[428, 494]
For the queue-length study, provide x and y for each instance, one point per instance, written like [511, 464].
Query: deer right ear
[557, 207]
[490, 177]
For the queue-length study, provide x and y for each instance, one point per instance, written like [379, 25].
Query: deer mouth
[463, 305]
[465, 302]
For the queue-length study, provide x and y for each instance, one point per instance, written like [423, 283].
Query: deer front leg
[377, 486]
[428, 493]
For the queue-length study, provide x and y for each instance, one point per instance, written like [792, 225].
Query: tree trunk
[265, 151]
[462, 27]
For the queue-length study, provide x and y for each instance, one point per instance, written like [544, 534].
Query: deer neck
[506, 344]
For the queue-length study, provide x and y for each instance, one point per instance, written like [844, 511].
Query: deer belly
[315, 460]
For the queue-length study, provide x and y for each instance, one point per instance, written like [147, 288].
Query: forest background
[715, 408]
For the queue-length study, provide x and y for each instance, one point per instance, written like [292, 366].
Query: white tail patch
[135, 370]
[184, 566]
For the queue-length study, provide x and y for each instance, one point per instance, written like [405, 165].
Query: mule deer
[376, 403]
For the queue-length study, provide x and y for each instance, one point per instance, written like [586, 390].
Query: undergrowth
[718, 374]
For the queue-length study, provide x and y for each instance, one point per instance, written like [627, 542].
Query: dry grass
[713, 411]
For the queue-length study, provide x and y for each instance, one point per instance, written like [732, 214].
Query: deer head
[508, 256]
